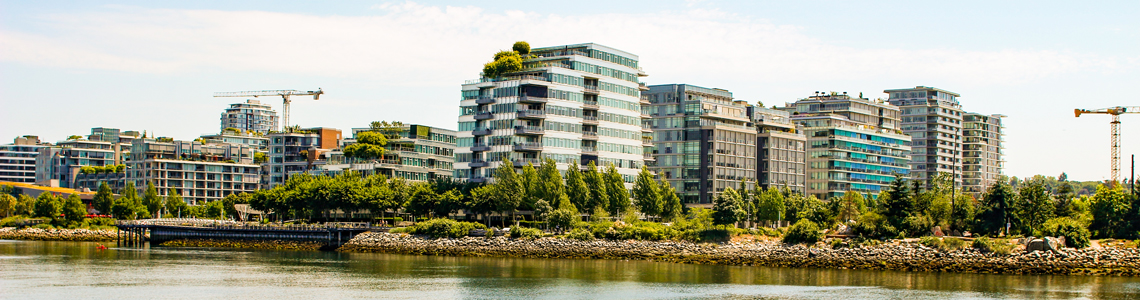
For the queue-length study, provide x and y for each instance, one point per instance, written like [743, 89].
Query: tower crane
[1115, 112]
[284, 94]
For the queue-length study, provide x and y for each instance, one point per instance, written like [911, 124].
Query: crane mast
[284, 94]
[1115, 131]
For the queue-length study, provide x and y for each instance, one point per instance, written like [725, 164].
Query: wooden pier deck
[136, 233]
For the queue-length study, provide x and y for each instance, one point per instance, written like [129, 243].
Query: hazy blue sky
[67, 66]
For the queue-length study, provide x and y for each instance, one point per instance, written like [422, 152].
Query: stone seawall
[76, 235]
[896, 255]
[245, 244]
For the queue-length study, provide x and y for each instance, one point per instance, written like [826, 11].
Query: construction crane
[284, 94]
[1115, 112]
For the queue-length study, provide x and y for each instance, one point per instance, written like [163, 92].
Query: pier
[137, 233]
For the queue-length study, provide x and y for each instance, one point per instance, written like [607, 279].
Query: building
[574, 104]
[933, 119]
[414, 152]
[198, 172]
[57, 166]
[853, 144]
[18, 160]
[121, 140]
[298, 151]
[252, 139]
[251, 116]
[703, 139]
[780, 150]
[982, 157]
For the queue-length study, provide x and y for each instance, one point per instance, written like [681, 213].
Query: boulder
[937, 231]
[1035, 245]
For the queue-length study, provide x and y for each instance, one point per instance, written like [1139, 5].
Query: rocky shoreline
[245, 244]
[895, 255]
[73, 235]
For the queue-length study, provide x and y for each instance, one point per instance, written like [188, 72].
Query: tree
[48, 206]
[482, 201]
[369, 145]
[771, 205]
[505, 62]
[597, 188]
[128, 206]
[647, 193]
[815, 210]
[551, 180]
[898, 206]
[963, 212]
[214, 209]
[508, 186]
[671, 208]
[152, 201]
[995, 211]
[74, 209]
[74, 137]
[1109, 209]
[175, 205]
[243, 198]
[534, 188]
[618, 194]
[7, 205]
[1035, 206]
[25, 205]
[103, 199]
[576, 188]
[260, 158]
[727, 208]
[541, 209]
[565, 216]
[523, 48]
[850, 206]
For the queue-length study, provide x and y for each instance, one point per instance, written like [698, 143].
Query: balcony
[589, 150]
[485, 100]
[521, 162]
[590, 120]
[590, 105]
[593, 89]
[531, 114]
[478, 163]
[528, 146]
[477, 179]
[589, 135]
[529, 130]
[484, 116]
[532, 99]
[481, 131]
[480, 147]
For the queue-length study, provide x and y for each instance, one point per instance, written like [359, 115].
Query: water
[73, 270]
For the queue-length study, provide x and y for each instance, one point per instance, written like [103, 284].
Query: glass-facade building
[414, 152]
[573, 104]
[198, 172]
[933, 119]
[780, 150]
[251, 116]
[982, 157]
[853, 144]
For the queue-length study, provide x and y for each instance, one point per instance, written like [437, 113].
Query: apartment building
[57, 166]
[933, 119]
[703, 140]
[251, 116]
[573, 104]
[414, 152]
[298, 151]
[853, 144]
[18, 160]
[982, 154]
[252, 139]
[780, 150]
[198, 172]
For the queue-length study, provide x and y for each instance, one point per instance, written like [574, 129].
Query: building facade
[982, 154]
[57, 166]
[198, 172]
[853, 144]
[414, 152]
[18, 160]
[251, 116]
[573, 104]
[780, 151]
[933, 119]
[703, 140]
[298, 152]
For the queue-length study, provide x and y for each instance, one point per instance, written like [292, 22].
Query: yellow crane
[284, 94]
[1115, 112]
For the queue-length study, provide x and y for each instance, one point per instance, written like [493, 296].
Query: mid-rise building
[933, 119]
[982, 157]
[18, 160]
[57, 166]
[414, 152]
[853, 144]
[252, 139]
[573, 104]
[780, 150]
[251, 116]
[703, 140]
[298, 151]
[198, 172]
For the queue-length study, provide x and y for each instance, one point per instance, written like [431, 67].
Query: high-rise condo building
[703, 140]
[780, 150]
[573, 103]
[251, 116]
[933, 119]
[198, 172]
[18, 160]
[982, 157]
[853, 144]
[414, 152]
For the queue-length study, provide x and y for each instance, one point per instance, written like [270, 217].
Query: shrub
[997, 246]
[873, 225]
[930, 242]
[490, 232]
[953, 243]
[765, 231]
[444, 228]
[804, 231]
[580, 234]
[524, 232]
[398, 230]
[1076, 236]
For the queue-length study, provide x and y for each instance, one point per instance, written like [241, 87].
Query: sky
[68, 66]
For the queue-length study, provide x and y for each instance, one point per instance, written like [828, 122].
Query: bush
[1076, 236]
[951, 243]
[444, 228]
[804, 231]
[524, 232]
[398, 230]
[873, 225]
[998, 246]
[930, 242]
[580, 234]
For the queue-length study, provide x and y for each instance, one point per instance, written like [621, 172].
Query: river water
[75, 270]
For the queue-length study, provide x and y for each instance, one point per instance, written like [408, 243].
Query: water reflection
[45, 270]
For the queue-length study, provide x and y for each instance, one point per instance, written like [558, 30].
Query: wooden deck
[137, 233]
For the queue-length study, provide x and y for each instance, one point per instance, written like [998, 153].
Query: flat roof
[923, 88]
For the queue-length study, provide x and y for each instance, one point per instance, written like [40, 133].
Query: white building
[251, 116]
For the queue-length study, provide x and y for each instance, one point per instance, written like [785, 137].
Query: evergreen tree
[898, 206]
[647, 193]
[995, 211]
[576, 188]
[597, 187]
[618, 194]
[726, 208]
[104, 199]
